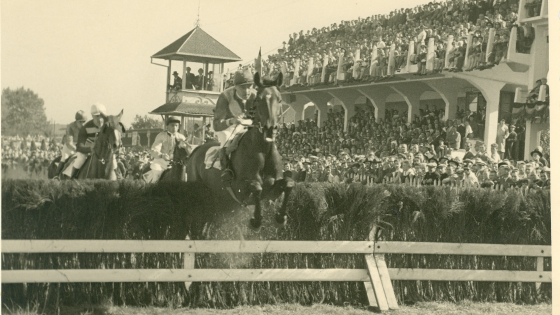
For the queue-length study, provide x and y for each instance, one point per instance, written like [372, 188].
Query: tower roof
[197, 46]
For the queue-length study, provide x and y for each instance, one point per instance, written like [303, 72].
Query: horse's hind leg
[281, 217]
[256, 190]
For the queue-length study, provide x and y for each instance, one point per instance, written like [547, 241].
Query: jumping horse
[105, 151]
[256, 177]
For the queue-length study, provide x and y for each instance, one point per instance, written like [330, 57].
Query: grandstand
[475, 61]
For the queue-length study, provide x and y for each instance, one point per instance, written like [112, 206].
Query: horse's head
[182, 151]
[108, 143]
[113, 129]
[268, 105]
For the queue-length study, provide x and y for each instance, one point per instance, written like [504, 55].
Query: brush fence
[377, 278]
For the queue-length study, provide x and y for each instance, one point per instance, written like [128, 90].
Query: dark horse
[101, 162]
[177, 172]
[256, 176]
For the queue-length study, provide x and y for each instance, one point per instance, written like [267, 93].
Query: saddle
[212, 158]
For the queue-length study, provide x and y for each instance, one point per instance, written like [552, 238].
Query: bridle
[252, 112]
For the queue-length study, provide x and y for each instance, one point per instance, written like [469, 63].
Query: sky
[76, 53]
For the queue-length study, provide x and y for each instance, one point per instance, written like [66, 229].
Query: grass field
[432, 308]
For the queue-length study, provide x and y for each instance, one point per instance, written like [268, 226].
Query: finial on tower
[197, 23]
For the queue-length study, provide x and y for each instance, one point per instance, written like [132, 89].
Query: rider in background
[71, 138]
[162, 149]
[86, 138]
[231, 109]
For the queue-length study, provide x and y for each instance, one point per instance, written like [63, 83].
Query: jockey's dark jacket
[86, 137]
[229, 105]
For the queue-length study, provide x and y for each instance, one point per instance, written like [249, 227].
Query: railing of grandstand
[418, 182]
[490, 52]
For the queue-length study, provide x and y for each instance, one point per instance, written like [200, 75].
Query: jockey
[72, 131]
[162, 149]
[231, 110]
[86, 138]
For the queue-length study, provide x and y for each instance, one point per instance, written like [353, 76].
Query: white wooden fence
[377, 277]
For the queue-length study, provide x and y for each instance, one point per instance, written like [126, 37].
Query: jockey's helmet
[98, 109]
[172, 119]
[243, 77]
[81, 116]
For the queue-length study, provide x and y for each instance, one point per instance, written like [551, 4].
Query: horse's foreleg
[281, 217]
[255, 189]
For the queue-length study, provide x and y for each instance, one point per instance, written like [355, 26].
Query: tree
[145, 122]
[23, 113]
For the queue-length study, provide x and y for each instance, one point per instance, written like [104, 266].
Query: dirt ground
[432, 308]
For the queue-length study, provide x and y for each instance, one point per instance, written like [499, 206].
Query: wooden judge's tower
[199, 102]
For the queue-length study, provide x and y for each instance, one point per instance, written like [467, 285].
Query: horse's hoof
[255, 224]
[280, 221]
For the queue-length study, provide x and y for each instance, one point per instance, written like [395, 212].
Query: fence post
[379, 276]
[540, 267]
[188, 263]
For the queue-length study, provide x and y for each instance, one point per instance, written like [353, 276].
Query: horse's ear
[123, 128]
[119, 116]
[257, 79]
[279, 79]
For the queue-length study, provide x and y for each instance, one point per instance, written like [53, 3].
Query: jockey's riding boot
[227, 173]
[74, 172]
[59, 168]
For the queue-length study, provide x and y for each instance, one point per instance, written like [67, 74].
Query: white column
[168, 81]
[448, 48]
[183, 84]
[430, 57]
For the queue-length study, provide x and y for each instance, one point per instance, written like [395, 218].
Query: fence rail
[377, 277]
[287, 247]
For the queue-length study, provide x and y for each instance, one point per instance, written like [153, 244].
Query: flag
[258, 63]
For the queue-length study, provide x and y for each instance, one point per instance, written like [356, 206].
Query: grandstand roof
[185, 109]
[197, 46]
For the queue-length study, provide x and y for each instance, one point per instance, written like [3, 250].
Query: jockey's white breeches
[157, 167]
[225, 136]
[78, 163]
[66, 153]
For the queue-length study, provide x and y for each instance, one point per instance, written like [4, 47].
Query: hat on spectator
[443, 160]
[537, 151]
[453, 162]
[432, 164]
[175, 73]
[504, 164]
[434, 160]
[243, 77]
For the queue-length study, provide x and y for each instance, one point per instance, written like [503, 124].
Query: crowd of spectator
[33, 153]
[355, 40]
[426, 152]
